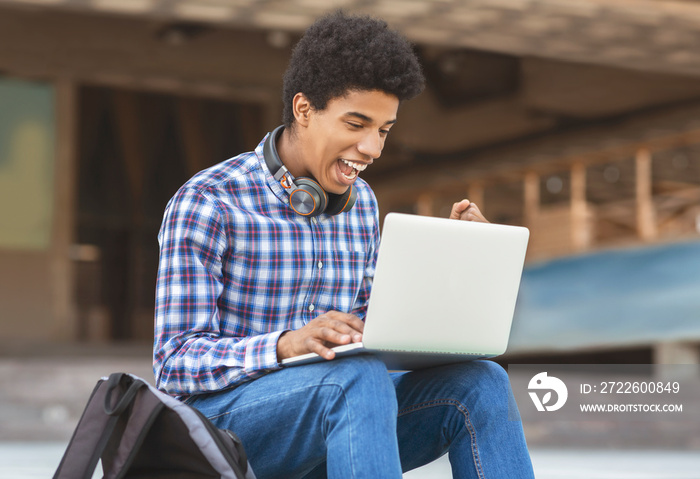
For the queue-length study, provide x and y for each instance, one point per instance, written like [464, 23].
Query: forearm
[200, 364]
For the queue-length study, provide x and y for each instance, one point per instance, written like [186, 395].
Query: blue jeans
[350, 418]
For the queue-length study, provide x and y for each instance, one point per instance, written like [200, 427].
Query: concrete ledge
[43, 395]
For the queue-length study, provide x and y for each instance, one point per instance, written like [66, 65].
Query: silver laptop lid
[445, 285]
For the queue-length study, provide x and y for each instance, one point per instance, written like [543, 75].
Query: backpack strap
[94, 429]
[125, 399]
[125, 447]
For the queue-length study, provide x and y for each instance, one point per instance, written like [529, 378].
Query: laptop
[444, 291]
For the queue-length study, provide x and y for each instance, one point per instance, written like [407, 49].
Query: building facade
[579, 119]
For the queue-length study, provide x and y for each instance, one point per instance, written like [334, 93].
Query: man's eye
[355, 125]
[384, 132]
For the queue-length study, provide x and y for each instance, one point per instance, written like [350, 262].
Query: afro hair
[340, 53]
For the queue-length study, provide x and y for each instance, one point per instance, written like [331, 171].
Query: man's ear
[301, 107]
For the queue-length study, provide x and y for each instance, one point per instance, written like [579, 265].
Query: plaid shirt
[238, 267]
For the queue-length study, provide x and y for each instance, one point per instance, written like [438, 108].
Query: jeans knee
[364, 382]
[492, 391]
[494, 374]
[480, 383]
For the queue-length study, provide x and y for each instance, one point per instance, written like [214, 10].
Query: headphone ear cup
[341, 203]
[308, 199]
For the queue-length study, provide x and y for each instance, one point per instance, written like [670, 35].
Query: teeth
[357, 166]
[351, 176]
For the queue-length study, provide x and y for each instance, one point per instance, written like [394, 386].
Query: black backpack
[140, 432]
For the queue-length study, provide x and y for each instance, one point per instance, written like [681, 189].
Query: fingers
[333, 329]
[345, 322]
[459, 208]
[474, 214]
[465, 210]
[320, 334]
[335, 332]
[313, 345]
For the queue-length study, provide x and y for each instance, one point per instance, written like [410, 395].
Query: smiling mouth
[350, 169]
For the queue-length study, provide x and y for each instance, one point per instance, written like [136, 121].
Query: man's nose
[371, 145]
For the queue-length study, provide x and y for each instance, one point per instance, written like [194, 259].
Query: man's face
[343, 139]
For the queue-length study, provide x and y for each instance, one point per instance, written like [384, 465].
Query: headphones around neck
[306, 196]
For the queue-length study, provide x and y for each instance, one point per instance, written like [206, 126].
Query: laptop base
[394, 360]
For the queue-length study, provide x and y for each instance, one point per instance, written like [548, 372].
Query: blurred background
[579, 119]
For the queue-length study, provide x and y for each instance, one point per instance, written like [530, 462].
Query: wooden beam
[646, 215]
[129, 131]
[197, 152]
[425, 205]
[127, 52]
[65, 323]
[579, 229]
[476, 195]
[503, 173]
[532, 198]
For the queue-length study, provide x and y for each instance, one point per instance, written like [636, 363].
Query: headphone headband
[272, 158]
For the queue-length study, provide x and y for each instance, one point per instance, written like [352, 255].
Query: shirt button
[320, 264]
[312, 307]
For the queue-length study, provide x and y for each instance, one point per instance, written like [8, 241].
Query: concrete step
[42, 396]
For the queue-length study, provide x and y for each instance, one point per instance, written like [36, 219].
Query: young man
[256, 268]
